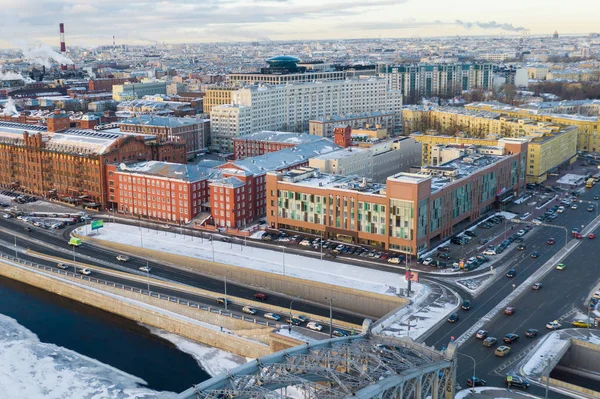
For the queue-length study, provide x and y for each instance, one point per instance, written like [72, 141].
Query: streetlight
[148, 276]
[474, 365]
[16, 254]
[283, 252]
[291, 303]
[330, 316]
[74, 262]
[547, 370]
[225, 290]
[321, 242]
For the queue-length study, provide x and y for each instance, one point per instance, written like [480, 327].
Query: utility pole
[16, 253]
[330, 316]
[225, 291]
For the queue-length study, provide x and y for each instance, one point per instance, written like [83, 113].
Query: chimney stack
[63, 46]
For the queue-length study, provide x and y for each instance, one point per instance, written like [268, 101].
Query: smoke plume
[43, 54]
[9, 108]
[9, 75]
[490, 25]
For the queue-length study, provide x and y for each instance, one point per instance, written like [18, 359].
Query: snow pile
[266, 260]
[551, 346]
[213, 360]
[33, 369]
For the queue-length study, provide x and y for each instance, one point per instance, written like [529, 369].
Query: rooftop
[338, 118]
[311, 177]
[163, 121]
[280, 137]
[341, 153]
[168, 170]
[286, 158]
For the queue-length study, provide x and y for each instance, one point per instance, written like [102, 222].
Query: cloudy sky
[139, 21]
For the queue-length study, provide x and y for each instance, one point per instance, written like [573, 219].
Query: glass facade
[402, 218]
[371, 218]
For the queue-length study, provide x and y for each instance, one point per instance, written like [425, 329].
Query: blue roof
[285, 58]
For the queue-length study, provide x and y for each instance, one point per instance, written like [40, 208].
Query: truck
[75, 241]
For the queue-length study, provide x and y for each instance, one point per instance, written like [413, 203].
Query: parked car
[427, 261]
[490, 252]
[470, 233]
[443, 249]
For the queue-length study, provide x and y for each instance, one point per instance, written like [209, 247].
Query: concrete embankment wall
[356, 301]
[245, 340]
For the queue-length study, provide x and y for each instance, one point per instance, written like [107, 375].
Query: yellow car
[502, 351]
[580, 323]
[560, 266]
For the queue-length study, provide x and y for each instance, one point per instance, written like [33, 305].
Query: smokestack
[63, 46]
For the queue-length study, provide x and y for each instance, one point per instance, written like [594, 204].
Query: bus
[590, 182]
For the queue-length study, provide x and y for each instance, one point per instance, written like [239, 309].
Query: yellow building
[374, 132]
[588, 139]
[216, 96]
[546, 150]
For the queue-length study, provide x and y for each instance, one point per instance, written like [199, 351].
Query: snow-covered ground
[432, 305]
[297, 334]
[213, 360]
[551, 345]
[496, 395]
[277, 262]
[34, 369]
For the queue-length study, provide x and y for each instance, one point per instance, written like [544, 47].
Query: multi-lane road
[562, 295]
[94, 256]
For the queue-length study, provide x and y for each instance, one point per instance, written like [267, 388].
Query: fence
[168, 298]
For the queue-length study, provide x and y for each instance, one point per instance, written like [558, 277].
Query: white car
[122, 258]
[394, 260]
[560, 209]
[427, 261]
[272, 316]
[87, 272]
[596, 294]
[553, 325]
[313, 325]
[6, 216]
[490, 252]
[305, 243]
[574, 206]
[145, 269]
[63, 266]
[248, 310]
[521, 233]
[303, 319]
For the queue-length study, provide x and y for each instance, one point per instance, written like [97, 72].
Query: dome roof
[283, 58]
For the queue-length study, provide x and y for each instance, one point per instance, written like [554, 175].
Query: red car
[591, 236]
[509, 310]
[578, 236]
[550, 241]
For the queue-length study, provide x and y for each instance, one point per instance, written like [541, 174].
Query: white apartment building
[291, 107]
[227, 122]
[377, 162]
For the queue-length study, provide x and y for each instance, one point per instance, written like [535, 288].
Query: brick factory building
[406, 213]
[68, 164]
[260, 143]
[107, 84]
[189, 131]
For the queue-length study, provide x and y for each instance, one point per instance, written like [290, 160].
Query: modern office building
[324, 126]
[133, 91]
[188, 131]
[291, 107]
[284, 69]
[406, 213]
[426, 80]
[261, 143]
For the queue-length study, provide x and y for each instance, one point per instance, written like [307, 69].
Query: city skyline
[180, 21]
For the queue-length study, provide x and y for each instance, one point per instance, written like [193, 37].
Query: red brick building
[261, 143]
[158, 190]
[69, 164]
[107, 84]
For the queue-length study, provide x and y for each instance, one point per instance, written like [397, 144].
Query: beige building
[215, 97]
[373, 132]
[324, 126]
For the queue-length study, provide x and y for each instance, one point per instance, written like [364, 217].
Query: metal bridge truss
[339, 368]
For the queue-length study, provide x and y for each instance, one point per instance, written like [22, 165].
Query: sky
[188, 21]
